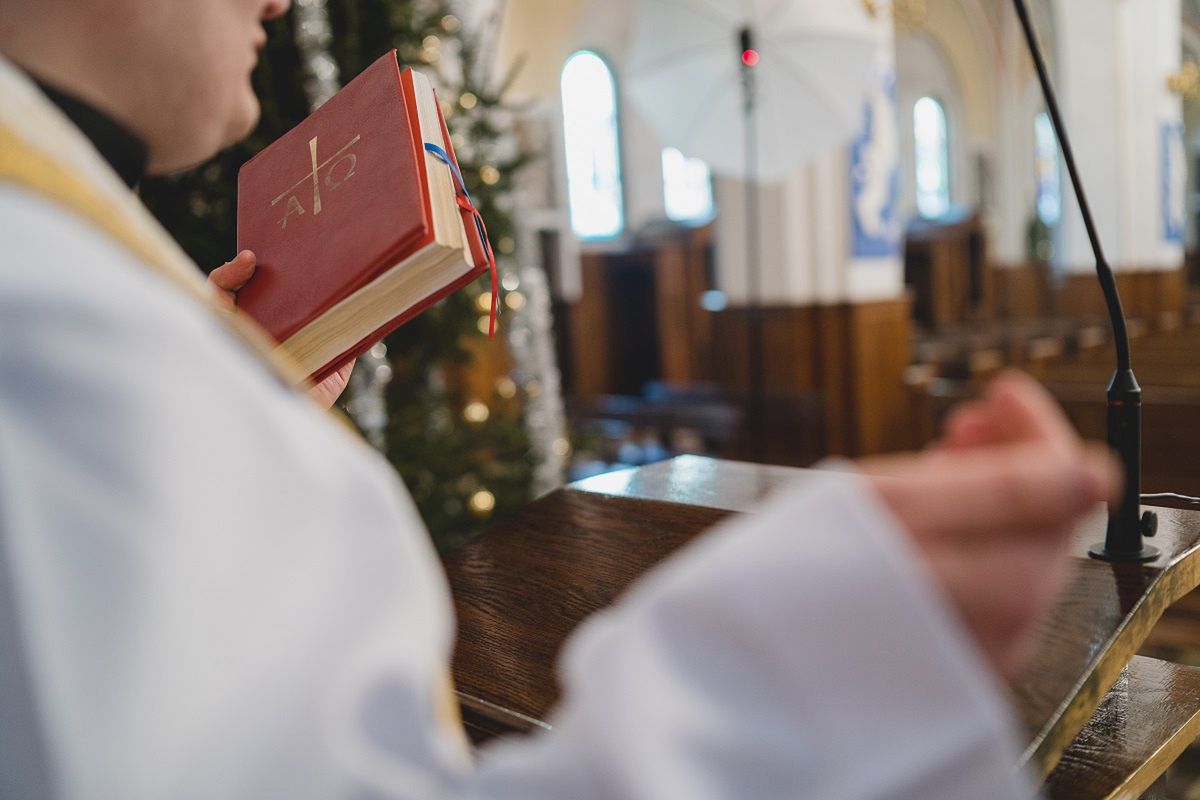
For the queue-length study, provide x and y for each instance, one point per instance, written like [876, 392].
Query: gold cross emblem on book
[342, 166]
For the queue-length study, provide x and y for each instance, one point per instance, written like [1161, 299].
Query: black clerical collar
[124, 151]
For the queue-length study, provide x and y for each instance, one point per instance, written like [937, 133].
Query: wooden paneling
[880, 345]
[835, 373]
[591, 348]
[685, 330]
[854, 356]
[789, 345]
[639, 316]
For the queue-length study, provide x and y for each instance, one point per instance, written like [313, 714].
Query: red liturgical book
[357, 225]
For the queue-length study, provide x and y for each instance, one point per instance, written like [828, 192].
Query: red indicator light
[750, 58]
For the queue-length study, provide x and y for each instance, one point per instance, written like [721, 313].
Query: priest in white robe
[209, 588]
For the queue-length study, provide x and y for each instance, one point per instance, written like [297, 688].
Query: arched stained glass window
[687, 188]
[932, 138]
[590, 130]
[1046, 165]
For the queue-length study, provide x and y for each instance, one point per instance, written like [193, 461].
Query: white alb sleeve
[798, 652]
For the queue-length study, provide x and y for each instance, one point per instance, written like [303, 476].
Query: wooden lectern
[1100, 721]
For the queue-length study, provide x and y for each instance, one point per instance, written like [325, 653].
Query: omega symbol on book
[341, 167]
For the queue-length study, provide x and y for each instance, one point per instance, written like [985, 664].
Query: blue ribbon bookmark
[467, 204]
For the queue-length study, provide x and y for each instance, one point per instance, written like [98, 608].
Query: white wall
[1149, 49]
[1115, 57]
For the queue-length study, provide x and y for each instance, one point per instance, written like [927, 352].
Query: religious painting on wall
[1174, 182]
[875, 177]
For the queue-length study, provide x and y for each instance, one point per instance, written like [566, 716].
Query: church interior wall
[1107, 60]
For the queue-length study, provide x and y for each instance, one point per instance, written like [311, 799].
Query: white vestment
[208, 589]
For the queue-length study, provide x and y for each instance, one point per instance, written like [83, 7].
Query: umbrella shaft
[756, 411]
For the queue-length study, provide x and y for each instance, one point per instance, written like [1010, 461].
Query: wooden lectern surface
[1145, 722]
[1096, 629]
[523, 586]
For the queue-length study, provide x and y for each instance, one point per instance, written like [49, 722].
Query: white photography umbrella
[704, 71]
[739, 83]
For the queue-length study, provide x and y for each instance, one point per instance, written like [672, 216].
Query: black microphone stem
[1123, 541]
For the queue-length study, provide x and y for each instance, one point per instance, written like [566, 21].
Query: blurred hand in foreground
[233, 275]
[992, 507]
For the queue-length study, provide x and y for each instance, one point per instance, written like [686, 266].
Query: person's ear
[274, 9]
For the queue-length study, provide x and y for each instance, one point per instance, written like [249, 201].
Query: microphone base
[1100, 552]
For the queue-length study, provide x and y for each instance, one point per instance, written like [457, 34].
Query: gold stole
[29, 168]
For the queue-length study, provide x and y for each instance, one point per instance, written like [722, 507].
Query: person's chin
[202, 147]
[245, 120]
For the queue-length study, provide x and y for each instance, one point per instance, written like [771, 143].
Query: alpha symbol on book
[333, 172]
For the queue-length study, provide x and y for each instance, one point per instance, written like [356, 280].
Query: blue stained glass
[1049, 182]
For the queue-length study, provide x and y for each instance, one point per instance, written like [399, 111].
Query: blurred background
[902, 231]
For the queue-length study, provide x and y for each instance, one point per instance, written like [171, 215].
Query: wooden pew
[1028, 344]
[521, 588]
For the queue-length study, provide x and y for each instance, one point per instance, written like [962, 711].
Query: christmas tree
[459, 443]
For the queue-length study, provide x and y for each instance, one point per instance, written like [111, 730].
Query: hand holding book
[233, 275]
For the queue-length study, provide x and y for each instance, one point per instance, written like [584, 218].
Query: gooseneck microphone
[1126, 524]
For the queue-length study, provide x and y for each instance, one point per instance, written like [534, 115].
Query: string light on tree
[482, 503]
[468, 100]
[506, 245]
[506, 387]
[489, 175]
[476, 412]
